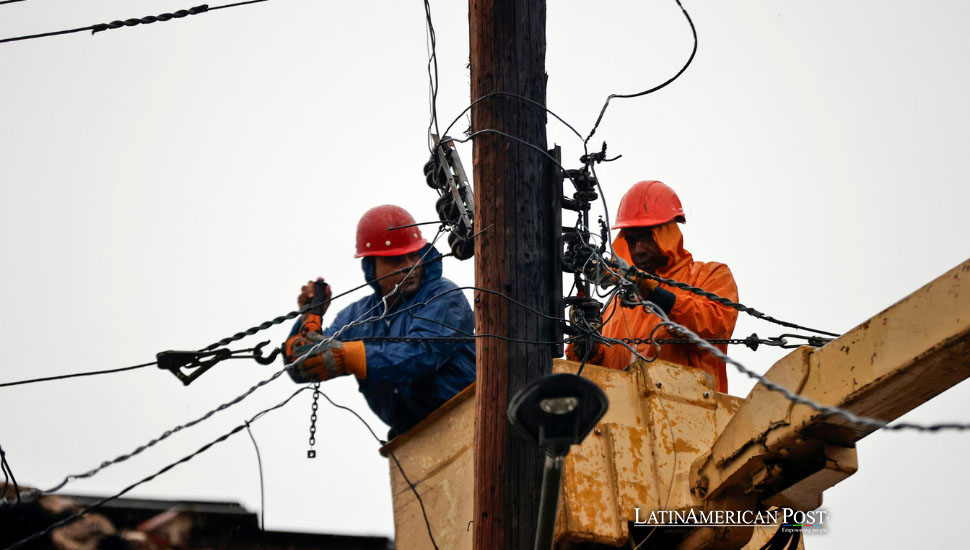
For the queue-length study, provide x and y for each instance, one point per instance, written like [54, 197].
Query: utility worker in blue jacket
[403, 381]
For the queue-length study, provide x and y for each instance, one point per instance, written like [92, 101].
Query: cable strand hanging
[690, 59]
[432, 78]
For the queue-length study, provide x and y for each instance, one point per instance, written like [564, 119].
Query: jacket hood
[671, 243]
[432, 269]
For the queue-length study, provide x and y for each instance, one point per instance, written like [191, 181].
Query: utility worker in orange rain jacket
[651, 240]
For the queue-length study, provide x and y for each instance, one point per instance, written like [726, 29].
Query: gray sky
[167, 185]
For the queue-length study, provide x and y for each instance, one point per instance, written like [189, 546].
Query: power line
[516, 96]
[168, 433]
[238, 336]
[680, 329]
[76, 375]
[294, 314]
[147, 20]
[165, 435]
[639, 275]
[643, 275]
[693, 52]
[790, 395]
[432, 80]
[162, 471]
[9, 1]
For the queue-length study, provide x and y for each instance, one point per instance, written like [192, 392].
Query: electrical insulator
[456, 202]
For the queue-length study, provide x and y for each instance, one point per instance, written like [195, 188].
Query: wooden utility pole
[515, 255]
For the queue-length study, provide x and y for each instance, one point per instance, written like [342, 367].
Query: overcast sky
[166, 185]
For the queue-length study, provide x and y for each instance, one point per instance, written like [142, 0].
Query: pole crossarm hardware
[885, 367]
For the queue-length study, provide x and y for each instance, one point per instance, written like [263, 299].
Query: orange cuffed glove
[328, 361]
[647, 287]
[575, 352]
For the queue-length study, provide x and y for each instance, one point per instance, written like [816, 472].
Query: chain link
[752, 341]
[311, 452]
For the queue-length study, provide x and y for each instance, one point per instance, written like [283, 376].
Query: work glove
[330, 360]
[577, 349]
[604, 277]
[317, 294]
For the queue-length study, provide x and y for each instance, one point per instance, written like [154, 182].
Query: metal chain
[683, 341]
[403, 339]
[311, 452]
[752, 341]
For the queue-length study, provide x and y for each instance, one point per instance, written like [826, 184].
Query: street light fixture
[555, 412]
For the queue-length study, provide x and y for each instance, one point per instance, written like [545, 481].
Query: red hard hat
[649, 203]
[375, 239]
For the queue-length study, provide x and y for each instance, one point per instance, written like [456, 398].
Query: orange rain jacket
[706, 318]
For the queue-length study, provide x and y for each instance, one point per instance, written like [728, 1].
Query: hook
[264, 359]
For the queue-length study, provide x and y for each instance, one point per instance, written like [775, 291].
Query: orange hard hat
[649, 203]
[376, 238]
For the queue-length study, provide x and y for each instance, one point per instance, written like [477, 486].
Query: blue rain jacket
[406, 381]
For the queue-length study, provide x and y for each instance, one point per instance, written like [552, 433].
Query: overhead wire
[690, 59]
[432, 80]
[165, 469]
[433, 83]
[695, 290]
[516, 96]
[639, 275]
[790, 395]
[224, 341]
[165, 435]
[168, 433]
[75, 375]
[296, 313]
[146, 20]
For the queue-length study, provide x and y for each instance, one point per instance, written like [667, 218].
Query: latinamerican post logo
[786, 518]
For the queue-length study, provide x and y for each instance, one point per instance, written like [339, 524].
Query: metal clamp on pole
[555, 412]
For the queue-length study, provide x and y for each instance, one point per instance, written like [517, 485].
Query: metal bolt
[707, 394]
[597, 431]
[660, 384]
[701, 486]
